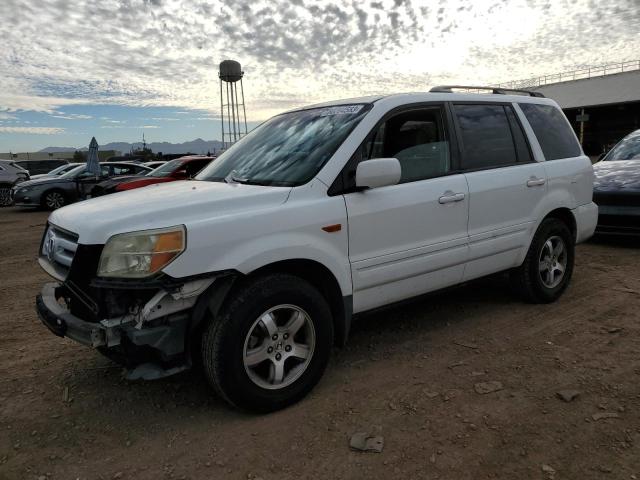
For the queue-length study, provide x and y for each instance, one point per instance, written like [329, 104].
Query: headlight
[141, 254]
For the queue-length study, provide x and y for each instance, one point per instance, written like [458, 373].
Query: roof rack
[494, 90]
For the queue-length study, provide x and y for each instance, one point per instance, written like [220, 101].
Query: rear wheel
[546, 271]
[53, 200]
[270, 345]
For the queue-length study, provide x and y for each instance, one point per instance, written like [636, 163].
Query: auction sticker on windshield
[341, 110]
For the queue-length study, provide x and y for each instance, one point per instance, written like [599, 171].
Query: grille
[58, 249]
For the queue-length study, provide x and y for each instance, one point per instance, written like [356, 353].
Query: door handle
[450, 197]
[536, 182]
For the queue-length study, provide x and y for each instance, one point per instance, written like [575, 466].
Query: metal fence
[588, 72]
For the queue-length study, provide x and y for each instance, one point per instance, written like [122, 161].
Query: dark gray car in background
[10, 175]
[616, 189]
[55, 192]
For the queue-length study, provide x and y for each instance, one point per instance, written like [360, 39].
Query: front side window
[418, 140]
[627, 149]
[554, 134]
[287, 150]
[487, 140]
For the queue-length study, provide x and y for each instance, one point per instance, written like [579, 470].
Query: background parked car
[178, 169]
[10, 175]
[616, 189]
[55, 192]
[56, 172]
[36, 167]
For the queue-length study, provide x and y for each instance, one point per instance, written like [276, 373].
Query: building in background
[102, 155]
[602, 103]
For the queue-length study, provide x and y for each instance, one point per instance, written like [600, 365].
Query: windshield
[166, 169]
[627, 149]
[286, 150]
[74, 172]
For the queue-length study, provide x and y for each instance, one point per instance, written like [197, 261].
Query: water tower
[234, 121]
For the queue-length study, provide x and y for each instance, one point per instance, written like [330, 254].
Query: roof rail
[494, 90]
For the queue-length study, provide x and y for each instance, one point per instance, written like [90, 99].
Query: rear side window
[554, 134]
[486, 136]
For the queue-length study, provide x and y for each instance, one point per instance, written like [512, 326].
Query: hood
[162, 205]
[44, 180]
[41, 176]
[617, 176]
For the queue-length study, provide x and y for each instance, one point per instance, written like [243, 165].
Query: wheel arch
[326, 283]
[44, 194]
[312, 271]
[566, 216]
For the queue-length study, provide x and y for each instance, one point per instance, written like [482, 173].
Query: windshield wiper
[234, 178]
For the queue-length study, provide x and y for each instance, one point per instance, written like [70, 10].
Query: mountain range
[197, 146]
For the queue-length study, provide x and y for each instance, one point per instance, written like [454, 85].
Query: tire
[5, 195]
[279, 299]
[539, 279]
[53, 199]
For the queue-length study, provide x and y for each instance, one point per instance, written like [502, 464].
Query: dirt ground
[408, 374]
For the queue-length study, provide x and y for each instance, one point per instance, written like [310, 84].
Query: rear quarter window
[554, 134]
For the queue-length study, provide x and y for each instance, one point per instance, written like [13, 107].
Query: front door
[410, 238]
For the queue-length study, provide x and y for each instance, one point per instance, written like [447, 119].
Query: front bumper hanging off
[58, 319]
[154, 339]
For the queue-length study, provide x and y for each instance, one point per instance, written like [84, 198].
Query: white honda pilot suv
[256, 267]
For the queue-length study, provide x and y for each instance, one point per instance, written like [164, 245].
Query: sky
[113, 69]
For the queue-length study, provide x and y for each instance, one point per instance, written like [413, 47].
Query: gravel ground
[414, 374]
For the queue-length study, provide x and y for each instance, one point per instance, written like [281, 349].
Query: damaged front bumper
[151, 341]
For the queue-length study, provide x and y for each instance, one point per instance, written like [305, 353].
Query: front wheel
[270, 345]
[53, 199]
[546, 271]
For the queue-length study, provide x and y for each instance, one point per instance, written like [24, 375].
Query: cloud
[293, 52]
[32, 130]
[73, 116]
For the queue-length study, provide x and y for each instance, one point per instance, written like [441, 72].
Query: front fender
[292, 231]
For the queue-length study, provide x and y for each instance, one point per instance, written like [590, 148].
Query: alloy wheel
[552, 262]
[54, 200]
[279, 346]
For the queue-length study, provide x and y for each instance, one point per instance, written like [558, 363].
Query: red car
[179, 169]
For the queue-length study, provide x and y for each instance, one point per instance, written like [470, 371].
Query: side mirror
[378, 172]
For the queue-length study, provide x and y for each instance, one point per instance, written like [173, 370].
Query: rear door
[410, 238]
[506, 186]
[568, 169]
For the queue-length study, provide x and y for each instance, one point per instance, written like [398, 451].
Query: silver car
[10, 175]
